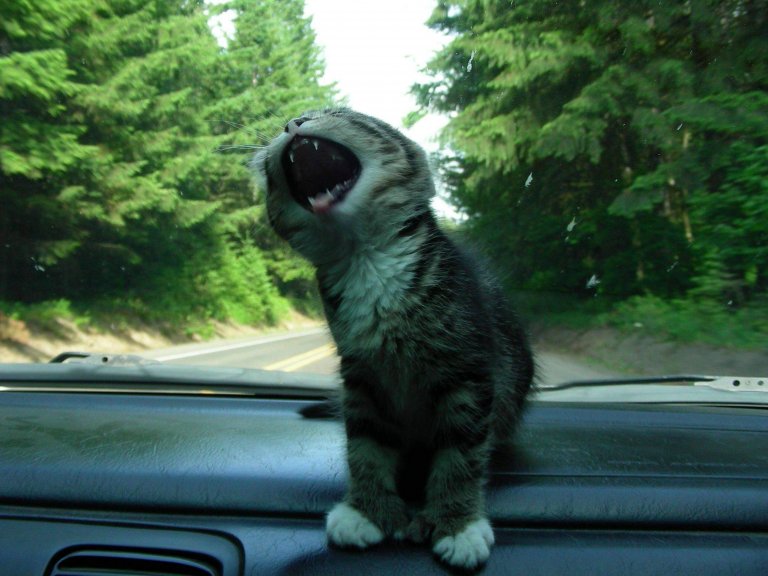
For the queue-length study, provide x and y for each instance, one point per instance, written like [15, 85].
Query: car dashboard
[202, 481]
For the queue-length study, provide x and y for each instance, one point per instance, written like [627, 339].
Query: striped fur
[435, 365]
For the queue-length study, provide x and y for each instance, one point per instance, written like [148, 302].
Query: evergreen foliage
[115, 176]
[623, 142]
[604, 148]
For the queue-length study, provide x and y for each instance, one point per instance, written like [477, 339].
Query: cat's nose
[295, 123]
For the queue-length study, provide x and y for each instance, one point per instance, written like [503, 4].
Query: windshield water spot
[593, 281]
[529, 180]
[471, 58]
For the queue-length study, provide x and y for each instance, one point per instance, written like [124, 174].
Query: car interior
[106, 471]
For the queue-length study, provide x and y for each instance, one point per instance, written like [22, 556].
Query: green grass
[42, 312]
[45, 315]
[701, 320]
[686, 321]
[175, 319]
[554, 309]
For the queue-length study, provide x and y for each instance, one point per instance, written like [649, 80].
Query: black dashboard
[210, 484]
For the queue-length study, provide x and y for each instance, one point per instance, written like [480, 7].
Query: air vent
[128, 562]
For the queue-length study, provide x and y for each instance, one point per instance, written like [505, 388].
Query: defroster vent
[130, 562]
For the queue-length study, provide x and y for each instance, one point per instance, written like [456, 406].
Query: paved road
[309, 350]
[312, 350]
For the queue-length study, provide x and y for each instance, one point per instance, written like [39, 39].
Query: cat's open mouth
[319, 172]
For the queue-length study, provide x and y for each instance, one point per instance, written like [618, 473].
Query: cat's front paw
[468, 548]
[347, 527]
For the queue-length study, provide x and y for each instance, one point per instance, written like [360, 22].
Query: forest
[611, 157]
[126, 135]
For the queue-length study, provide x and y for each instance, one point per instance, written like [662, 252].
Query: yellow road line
[301, 360]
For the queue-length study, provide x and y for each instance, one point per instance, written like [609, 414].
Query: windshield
[609, 159]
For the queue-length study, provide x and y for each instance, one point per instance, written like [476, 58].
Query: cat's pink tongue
[321, 203]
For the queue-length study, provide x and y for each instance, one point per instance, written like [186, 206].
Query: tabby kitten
[435, 366]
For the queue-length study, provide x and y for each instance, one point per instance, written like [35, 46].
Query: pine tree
[113, 180]
[585, 131]
[40, 142]
[144, 64]
[268, 72]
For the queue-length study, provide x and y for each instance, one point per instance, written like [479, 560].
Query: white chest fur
[372, 288]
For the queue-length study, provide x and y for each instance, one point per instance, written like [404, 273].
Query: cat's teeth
[339, 188]
[290, 155]
[316, 143]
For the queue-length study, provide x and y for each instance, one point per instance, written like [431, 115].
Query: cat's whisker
[239, 147]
